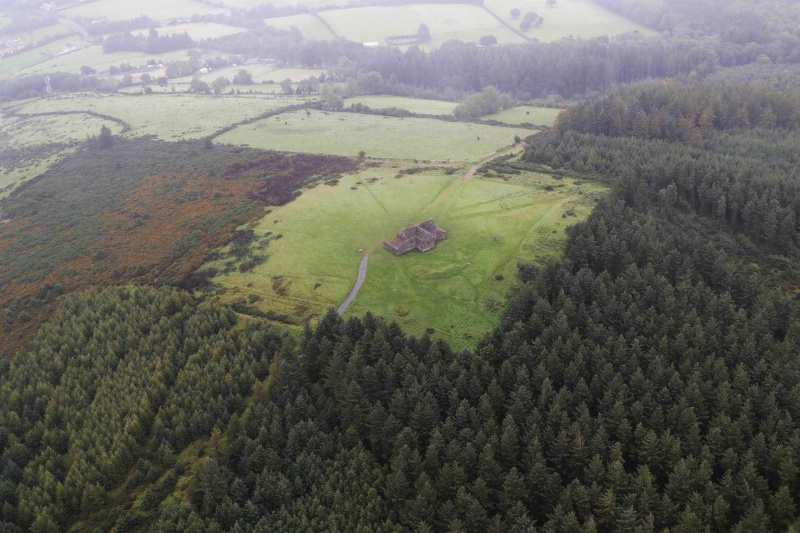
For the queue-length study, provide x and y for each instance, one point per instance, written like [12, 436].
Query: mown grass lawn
[381, 137]
[458, 289]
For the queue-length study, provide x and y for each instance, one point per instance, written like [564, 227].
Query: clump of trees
[530, 20]
[486, 102]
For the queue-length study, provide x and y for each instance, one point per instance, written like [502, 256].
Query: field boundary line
[506, 24]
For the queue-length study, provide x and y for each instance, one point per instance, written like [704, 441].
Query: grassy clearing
[445, 21]
[309, 26]
[491, 225]
[414, 105]
[382, 137]
[155, 9]
[581, 18]
[5, 20]
[197, 30]
[167, 116]
[94, 57]
[538, 116]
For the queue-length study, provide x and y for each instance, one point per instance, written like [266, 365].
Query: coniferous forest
[648, 380]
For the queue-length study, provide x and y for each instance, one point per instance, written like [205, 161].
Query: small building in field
[422, 236]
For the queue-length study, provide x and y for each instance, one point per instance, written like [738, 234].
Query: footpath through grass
[457, 289]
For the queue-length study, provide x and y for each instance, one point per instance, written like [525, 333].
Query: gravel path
[362, 276]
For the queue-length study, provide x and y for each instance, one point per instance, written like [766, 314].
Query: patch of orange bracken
[162, 232]
[138, 242]
[165, 210]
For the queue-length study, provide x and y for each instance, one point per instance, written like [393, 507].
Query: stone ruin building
[422, 236]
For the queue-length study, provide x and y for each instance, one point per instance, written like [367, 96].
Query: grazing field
[15, 173]
[294, 74]
[13, 66]
[4, 20]
[52, 129]
[94, 57]
[155, 9]
[37, 35]
[458, 289]
[230, 72]
[382, 137]
[445, 22]
[538, 116]
[309, 26]
[581, 18]
[197, 30]
[413, 105]
[167, 116]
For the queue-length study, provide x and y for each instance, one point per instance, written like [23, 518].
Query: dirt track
[362, 276]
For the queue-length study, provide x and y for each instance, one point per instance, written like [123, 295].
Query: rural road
[362, 276]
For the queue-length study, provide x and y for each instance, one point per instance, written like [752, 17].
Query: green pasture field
[34, 36]
[94, 57]
[525, 114]
[197, 30]
[12, 66]
[581, 18]
[50, 129]
[229, 72]
[159, 10]
[309, 26]
[5, 20]
[11, 176]
[445, 22]
[294, 74]
[458, 289]
[413, 105]
[32, 133]
[167, 116]
[261, 73]
[249, 4]
[381, 137]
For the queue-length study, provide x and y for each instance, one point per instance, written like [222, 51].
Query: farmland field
[197, 30]
[167, 116]
[581, 18]
[309, 26]
[445, 22]
[538, 116]
[51, 129]
[13, 66]
[4, 20]
[457, 289]
[155, 9]
[230, 72]
[39, 34]
[294, 74]
[414, 105]
[11, 176]
[387, 137]
[94, 57]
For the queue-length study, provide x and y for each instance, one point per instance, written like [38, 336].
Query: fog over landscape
[382, 265]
